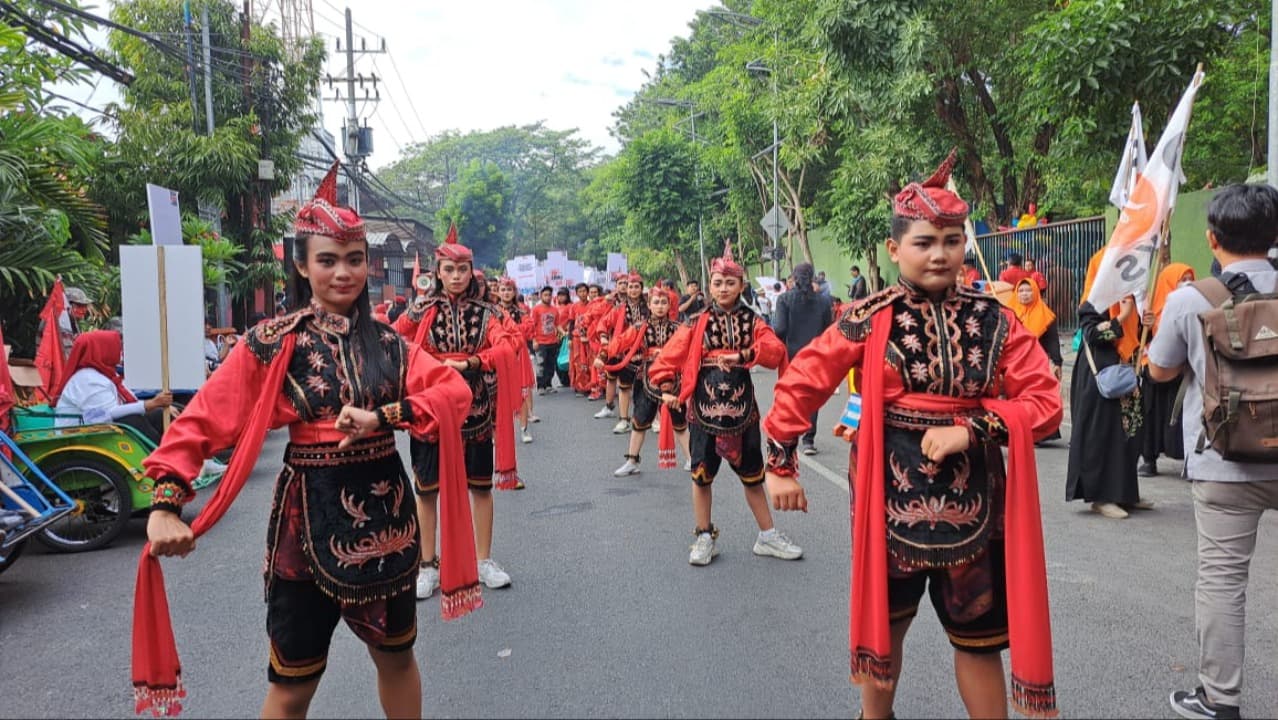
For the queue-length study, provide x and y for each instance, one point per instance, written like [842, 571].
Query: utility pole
[1272, 173]
[190, 66]
[776, 168]
[357, 142]
[211, 213]
[208, 70]
[701, 240]
[352, 119]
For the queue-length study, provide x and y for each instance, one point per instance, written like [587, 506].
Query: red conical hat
[450, 249]
[725, 265]
[929, 200]
[323, 216]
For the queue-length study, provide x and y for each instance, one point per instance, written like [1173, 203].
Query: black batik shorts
[479, 465]
[646, 408]
[970, 600]
[706, 460]
[300, 621]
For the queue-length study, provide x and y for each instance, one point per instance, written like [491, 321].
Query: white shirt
[1179, 341]
[93, 397]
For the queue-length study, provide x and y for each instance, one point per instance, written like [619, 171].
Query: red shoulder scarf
[157, 671]
[1028, 619]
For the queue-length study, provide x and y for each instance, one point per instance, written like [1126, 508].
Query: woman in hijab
[1161, 431]
[1105, 443]
[1030, 308]
[93, 389]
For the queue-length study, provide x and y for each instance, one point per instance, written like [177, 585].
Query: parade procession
[440, 321]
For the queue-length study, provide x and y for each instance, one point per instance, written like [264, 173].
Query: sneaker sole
[765, 551]
[714, 554]
[498, 586]
[625, 474]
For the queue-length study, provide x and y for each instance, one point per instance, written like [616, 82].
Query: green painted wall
[1188, 242]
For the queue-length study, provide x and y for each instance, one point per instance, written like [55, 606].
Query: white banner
[140, 299]
[166, 218]
[1124, 269]
[617, 265]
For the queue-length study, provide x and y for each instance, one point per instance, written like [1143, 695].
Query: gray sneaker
[622, 427]
[777, 546]
[704, 548]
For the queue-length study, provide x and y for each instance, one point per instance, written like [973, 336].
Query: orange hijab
[1130, 340]
[1168, 280]
[1035, 315]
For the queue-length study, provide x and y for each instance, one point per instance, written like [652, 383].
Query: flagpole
[1162, 253]
[970, 231]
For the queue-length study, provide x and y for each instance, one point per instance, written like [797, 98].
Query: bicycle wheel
[103, 504]
[10, 555]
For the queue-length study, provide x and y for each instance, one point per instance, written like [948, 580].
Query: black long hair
[366, 337]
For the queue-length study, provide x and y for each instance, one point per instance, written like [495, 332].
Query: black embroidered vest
[460, 327]
[944, 514]
[723, 402]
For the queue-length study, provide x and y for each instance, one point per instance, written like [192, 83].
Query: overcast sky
[481, 64]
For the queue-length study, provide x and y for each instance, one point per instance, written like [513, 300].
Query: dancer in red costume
[947, 376]
[521, 318]
[709, 359]
[343, 539]
[470, 336]
[601, 333]
[632, 311]
[637, 348]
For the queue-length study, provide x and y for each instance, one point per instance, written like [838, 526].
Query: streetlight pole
[696, 178]
[751, 21]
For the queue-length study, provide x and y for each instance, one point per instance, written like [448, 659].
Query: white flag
[1124, 268]
[1132, 163]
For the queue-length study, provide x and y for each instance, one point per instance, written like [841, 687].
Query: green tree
[661, 193]
[263, 98]
[477, 204]
[48, 227]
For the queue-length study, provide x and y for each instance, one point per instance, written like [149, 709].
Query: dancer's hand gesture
[356, 423]
[168, 535]
[939, 443]
[786, 492]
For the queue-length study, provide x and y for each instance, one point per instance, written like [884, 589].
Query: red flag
[7, 397]
[49, 358]
[417, 271]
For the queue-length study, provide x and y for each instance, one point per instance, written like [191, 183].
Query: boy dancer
[710, 359]
[932, 504]
[637, 348]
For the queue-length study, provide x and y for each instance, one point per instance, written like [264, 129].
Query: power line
[64, 45]
[90, 108]
[398, 114]
[409, 96]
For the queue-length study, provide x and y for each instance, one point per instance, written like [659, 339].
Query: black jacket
[798, 320]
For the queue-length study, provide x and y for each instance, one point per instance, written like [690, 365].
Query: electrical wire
[411, 106]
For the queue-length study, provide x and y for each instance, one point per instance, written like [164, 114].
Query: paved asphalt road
[606, 618]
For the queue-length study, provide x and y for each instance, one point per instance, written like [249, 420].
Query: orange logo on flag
[1139, 216]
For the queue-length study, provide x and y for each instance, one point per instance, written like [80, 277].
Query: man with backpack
[1223, 338]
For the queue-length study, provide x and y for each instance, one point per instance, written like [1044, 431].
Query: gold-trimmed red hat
[450, 249]
[930, 200]
[323, 216]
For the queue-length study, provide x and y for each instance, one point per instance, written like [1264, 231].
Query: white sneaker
[605, 412]
[777, 545]
[527, 437]
[427, 581]
[687, 467]
[704, 549]
[656, 426]
[630, 468]
[213, 467]
[491, 574]
[534, 419]
[622, 427]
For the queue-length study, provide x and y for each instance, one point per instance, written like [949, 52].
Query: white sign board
[166, 219]
[140, 298]
[617, 265]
